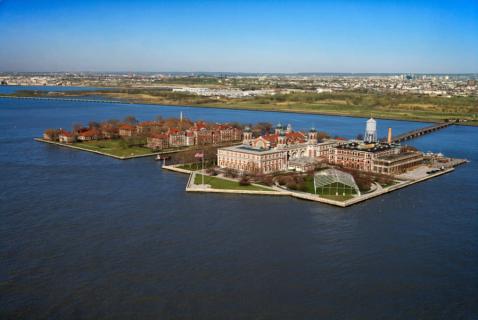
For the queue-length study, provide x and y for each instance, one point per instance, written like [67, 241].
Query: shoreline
[275, 191]
[61, 144]
[364, 116]
[151, 154]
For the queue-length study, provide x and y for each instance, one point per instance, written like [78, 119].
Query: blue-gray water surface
[87, 237]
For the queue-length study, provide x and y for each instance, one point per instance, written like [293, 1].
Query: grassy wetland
[345, 103]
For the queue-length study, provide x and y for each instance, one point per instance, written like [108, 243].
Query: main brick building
[286, 149]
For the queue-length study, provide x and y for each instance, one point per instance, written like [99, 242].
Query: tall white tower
[370, 131]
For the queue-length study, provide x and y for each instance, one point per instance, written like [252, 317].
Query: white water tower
[371, 131]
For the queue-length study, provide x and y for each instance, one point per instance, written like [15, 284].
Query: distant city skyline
[242, 36]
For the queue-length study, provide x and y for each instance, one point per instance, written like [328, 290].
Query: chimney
[389, 139]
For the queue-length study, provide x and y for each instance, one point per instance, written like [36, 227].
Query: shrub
[291, 185]
[212, 171]
[231, 173]
[267, 180]
[244, 181]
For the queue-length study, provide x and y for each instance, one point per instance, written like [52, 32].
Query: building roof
[89, 133]
[303, 161]
[400, 156]
[250, 150]
[158, 136]
[296, 137]
[366, 147]
[174, 131]
[148, 124]
[327, 177]
[65, 133]
[127, 127]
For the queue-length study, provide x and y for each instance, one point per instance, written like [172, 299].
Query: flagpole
[203, 168]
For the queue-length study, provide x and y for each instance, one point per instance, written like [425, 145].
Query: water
[13, 89]
[84, 236]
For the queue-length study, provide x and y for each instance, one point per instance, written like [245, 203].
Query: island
[263, 159]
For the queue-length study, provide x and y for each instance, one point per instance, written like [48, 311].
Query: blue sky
[239, 36]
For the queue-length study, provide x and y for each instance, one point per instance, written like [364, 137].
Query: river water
[84, 236]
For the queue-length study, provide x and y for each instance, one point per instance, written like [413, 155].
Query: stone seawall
[190, 187]
[176, 169]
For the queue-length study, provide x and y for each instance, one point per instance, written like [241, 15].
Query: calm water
[84, 236]
[13, 89]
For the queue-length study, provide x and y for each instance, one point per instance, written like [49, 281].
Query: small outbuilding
[335, 182]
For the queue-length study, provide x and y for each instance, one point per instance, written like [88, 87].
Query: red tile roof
[148, 124]
[199, 125]
[127, 127]
[89, 133]
[159, 136]
[65, 133]
[272, 138]
[174, 131]
[295, 136]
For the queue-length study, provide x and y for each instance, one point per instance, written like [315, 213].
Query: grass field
[389, 106]
[218, 183]
[112, 147]
[347, 103]
[196, 166]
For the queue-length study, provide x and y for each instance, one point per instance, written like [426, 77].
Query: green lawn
[112, 147]
[386, 185]
[196, 166]
[218, 183]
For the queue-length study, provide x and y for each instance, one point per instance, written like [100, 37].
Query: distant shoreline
[225, 107]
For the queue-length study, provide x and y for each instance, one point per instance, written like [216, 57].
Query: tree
[245, 181]
[231, 173]
[93, 125]
[52, 133]
[77, 127]
[267, 180]
[262, 127]
[112, 122]
[131, 120]
[323, 135]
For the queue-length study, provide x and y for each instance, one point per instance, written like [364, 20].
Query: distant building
[276, 151]
[127, 130]
[361, 156]
[66, 137]
[373, 156]
[177, 138]
[147, 126]
[397, 163]
[247, 159]
[87, 135]
[157, 141]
